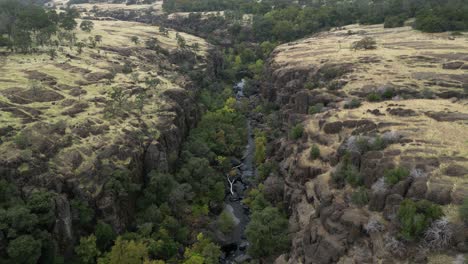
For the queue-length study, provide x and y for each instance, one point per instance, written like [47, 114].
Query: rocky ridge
[402, 104]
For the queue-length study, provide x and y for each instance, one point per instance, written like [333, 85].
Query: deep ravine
[236, 251]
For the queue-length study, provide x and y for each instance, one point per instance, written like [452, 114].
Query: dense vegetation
[25, 26]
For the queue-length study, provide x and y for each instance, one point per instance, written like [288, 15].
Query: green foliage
[129, 252]
[347, 172]
[354, 103]
[105, 235]
[315, 109]
[135, 40]
[24, 249]
[314, 152]
[203, 251]
[87, 250]
[374, 97]
[127, 68]
[22, 140]
[394, 176]
[256, 200]
[394, 21]
[267, 232]
[41, 204]
[87, 25]
[225, 222]
[85, 214]
[260, 148]
[264, 170]
[416, 217]
[463, 210]
[297, 131]
[360, 197]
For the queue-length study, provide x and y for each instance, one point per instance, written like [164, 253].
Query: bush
[315, 109]
[394, 21]
[22, 140]
[310, 85]
[346, 172]
[366, 43]
[352, 176]
[374, 97]
[314, 152]
[225, 222]
[127, 68]
[360, 197]
[354, 103]
[388, 94]
[297, 131]
[267, 232]
[463, 210]
[396, 175]
[416, 217]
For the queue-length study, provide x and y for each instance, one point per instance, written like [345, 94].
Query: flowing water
[236, 251]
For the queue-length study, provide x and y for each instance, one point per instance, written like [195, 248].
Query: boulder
[439, 192]
[333, 128]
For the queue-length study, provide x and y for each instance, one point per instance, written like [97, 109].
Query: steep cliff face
[370, 112]
[88, 126]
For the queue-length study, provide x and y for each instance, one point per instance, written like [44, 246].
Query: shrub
[374, 97]
[310, 85]
[315, 109]
[346, 172]
[388, 94]
[395, 175]
[366, 43]
[354, 103]
[463, 210]
[225, 222]
[267, 232]
[439, 234]
[22, 140]
[127, 68]
[377, 143]
[353, 176]
[394, 21]
[314, 152]
[297, 131]
[360, 197]
[416, 217]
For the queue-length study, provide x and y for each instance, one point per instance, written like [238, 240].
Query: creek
[236, 250]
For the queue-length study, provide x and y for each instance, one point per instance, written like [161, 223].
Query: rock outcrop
[379, 110]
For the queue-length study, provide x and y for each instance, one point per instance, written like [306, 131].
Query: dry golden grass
[102, 59]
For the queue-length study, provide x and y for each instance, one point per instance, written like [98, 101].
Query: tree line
[25, 26]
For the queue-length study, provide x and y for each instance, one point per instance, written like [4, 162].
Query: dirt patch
[40, 76]
[125, 52]
[447, 116]
[27, 114]
[26, 96]
[73, 69]
[77, 108]
[97, 76]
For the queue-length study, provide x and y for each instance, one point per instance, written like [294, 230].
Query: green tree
[203, 251]
[87, 25]
[128, 252]
[24, 250]
[415, 217]
[135, 40]
[267, 232]
[105, 235]
[87, 250]
[225, 222]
